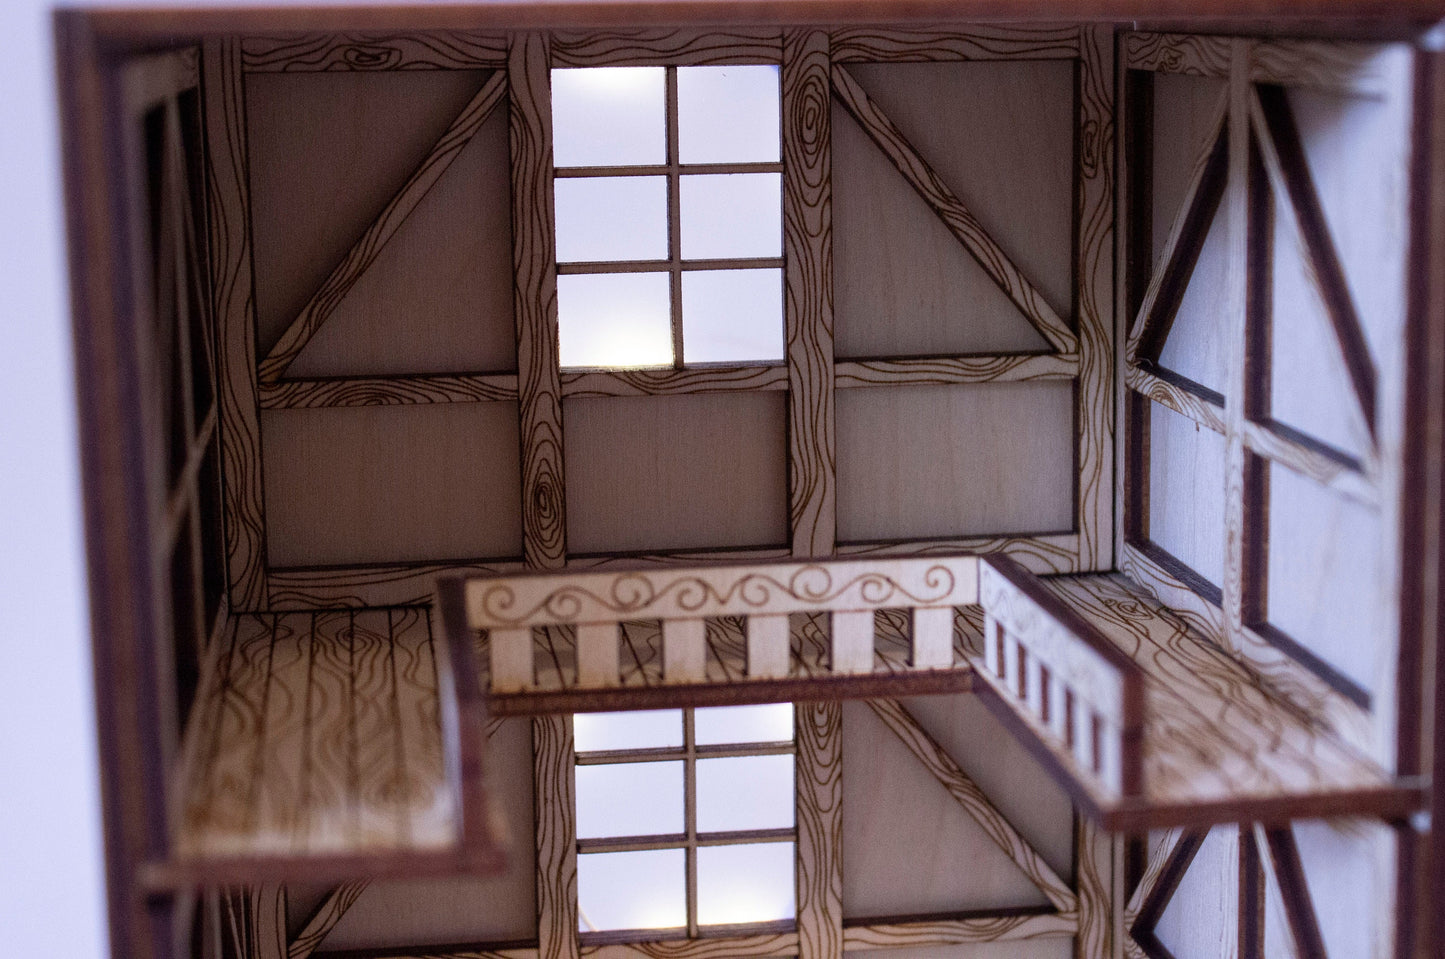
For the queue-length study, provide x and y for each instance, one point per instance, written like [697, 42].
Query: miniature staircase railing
[721, 634]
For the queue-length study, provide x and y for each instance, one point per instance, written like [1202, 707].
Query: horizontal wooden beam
[1328, 467]
[1204, 409]
[951, 370]
[1042, 553]
[983, 41]
[667, 46]
[378, 584]
[674, 382]
[388, 391]
[922, 933]
[330, 52]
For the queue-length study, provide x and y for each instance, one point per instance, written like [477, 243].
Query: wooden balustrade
[764, 632]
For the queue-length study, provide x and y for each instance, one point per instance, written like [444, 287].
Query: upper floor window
[685, 818]
[668, 215]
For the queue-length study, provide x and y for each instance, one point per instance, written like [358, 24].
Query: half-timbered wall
[1266, 194]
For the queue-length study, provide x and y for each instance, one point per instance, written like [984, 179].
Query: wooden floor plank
[278, 783]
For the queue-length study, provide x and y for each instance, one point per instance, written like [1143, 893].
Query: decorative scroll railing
[732, 627]
[1077, 690]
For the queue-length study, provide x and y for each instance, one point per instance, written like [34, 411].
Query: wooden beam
[1237, 326]
[818, 730]
[954, 214]
[266, 917]
[666, 46]
[1098, 881]
[1204, 407]
[369, 246]
[555, 811]
[1095, 188]
[808, 291]
[968, 795]
[231, 285]
[544, 517]
[924, 933]
[325, 918]
[937, 371]
[1294, 890]
[388, 391]
[374, 52]
[982, 41]
[1190, 54]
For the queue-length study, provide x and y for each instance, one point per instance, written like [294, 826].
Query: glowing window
[669, 208]
[685, 819]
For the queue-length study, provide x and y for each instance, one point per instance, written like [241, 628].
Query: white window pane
[728, 114]
[646, 729]
[614, 319]
[725, 725]
[732, 215]
[746, 883]
[744, 792]
[609, 116]
[633, 890]
[611, 218]
[732, 316]
[629, 799]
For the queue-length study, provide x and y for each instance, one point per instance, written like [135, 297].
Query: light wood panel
[382, 484]
[1186, 501]
[368, 247]
[676, 472]
[897, 482]
[976, 42]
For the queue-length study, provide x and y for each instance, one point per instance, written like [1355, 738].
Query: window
[668, 215]
[685, 818]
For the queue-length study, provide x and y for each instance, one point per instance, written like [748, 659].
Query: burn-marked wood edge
[1169, 871]
[666, 47]
[952, 212]
[1314, 460]
[735, 692]
[331, 52]
[1280, 145]
[977, 42]
[1199, 404]
[1185, 240]
[973, 800]
[368, 247]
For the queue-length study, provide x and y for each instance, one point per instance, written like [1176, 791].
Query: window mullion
[674, 223]
[689, 812]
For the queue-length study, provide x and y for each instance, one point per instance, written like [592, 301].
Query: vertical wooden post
[228, 186]
[1236, 200]
[1095, 298]
[808, 298]
[556, 822]
[819, 731]
[1098, 878]
[544, 516]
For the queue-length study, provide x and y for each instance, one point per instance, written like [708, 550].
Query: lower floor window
[685, 818]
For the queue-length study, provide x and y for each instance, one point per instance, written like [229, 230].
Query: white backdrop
[51, 873]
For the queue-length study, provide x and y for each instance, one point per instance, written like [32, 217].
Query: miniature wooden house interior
[758, 489]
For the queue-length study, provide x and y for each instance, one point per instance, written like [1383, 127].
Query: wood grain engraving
[328, 52]
[819, 796]
[394, 584]
[673, 382]
[1304, 925]
[1003, 368]
[387, 391]
[553, 786]
[369, 246]
[974, 802]
[953, 213]
[925, 933]
[1159, 386]
[665, 47]
[1099, 888]
[1196, 55]
[544, 520]
[977, 42]
[231, 283]
[1095, 298]
[808, 291]
[325, 918]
